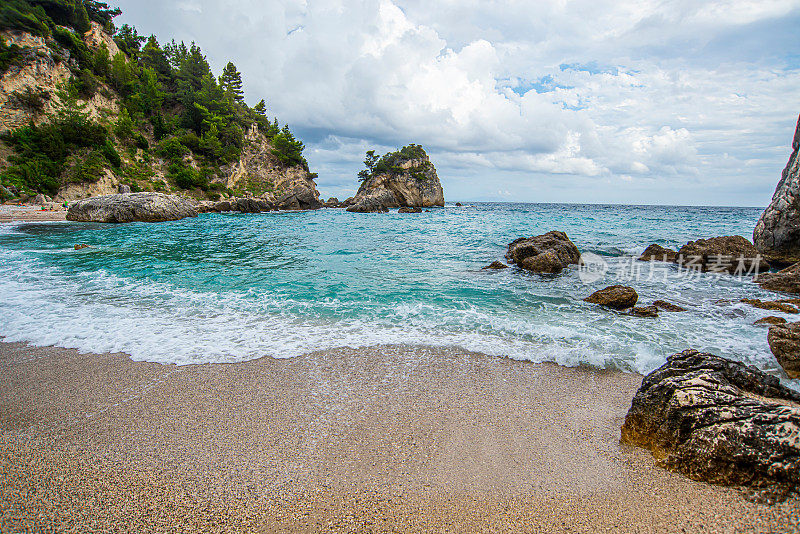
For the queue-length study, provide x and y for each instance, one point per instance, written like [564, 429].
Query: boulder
[459, 204]
[784, 342]
[496, 265]
[658, 253]
[616, 297]
[144, 207]
[39, 200]
[81, 246]
[770, 305]
[786, 280]
[719, 421]
[644, 311]
[726, 254]
[771, 321]
[332, 202]
[547, 253]
[406, 209]
[251, 205]
[123, 189]
[668, 306]
[777, 233]
[377, 201]
[299, 198]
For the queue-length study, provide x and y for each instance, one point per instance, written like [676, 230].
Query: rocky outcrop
[143, 207]
[496, 266]
[658, 253]
[548, 253]
[786, 280]
[777, 233]
[784, 342]
[719, 421]
[770, 305]
[285, 187]
[668, 306]
[406, 209]
[643, 311]
[408, 178]
[770, 321]
[332, 202]
[728, 254]
[615, 297]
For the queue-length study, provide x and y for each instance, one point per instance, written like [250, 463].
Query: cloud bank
[583, 101]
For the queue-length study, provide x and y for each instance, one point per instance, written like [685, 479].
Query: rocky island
[405, 178]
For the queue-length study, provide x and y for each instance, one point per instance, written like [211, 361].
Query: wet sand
[386, 439]
[11, 213]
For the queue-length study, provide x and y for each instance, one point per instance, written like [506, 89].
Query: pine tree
[261, 108]
[231, 82]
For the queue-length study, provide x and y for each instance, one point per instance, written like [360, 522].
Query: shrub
[10, 56]
[33, 99]
[172, 149]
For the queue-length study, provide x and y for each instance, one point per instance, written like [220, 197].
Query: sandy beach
[387, 439]
[12, 213]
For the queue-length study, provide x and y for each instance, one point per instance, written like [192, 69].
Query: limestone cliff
[777, 234]
[403, 178]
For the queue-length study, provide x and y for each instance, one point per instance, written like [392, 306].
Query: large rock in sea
[731, 254]
[784, 342]
[547, 253]
[656, 252]
[786, 280]
[616, 297]
[777, 233]
[144, 207]
[719, 421]
[403, 178]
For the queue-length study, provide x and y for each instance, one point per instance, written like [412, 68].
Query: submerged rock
[406, 209]
[777, 233]
[496, 265]
[770, 305]
[784, 342]
[729, 254]
[668, 306]
[615, 297]
[644, 311]
[143, 207]
[771, 320]
[548, 253]
[81, 246]
[658, 253]
[719, 421]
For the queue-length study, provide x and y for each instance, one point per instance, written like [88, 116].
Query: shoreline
[26, 213]
[389, 437]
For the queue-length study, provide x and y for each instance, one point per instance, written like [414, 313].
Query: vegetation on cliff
[391, 163]
[177, 120]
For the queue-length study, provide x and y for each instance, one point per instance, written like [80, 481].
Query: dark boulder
[548, 253]
[770, 321]
[299, 198]
[785, 281]
[658, 253]
[644, 311]
[496, 265]
[123, 189]
[143, 207]
[784, 342]
[616, 297]
[406, 209]
[668, 306]
[719, 421]
[725, 254]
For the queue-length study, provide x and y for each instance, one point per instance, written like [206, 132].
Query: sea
[232, 287]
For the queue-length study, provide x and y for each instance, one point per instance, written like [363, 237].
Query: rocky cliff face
[777, 234]
[410, 182]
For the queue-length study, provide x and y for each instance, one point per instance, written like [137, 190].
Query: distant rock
[729, 254]
[668, 306]
[615, 297]
[300, 197]
[406, 209]
[403, 178]
[719, 421]
[81, 246]
[644, 311]
[548, 253]
[777, 233]
[123, 189]
[143, 207]
[771, 321]
[332, 202]
[771, 305]
[39, 200]
[459, 204]
[784, 342]
[658, 253]
[496, 265]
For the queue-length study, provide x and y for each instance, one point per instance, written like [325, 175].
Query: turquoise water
[230, 287]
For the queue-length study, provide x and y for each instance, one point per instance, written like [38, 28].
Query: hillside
[86, 107]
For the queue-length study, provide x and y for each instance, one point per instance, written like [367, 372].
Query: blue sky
[651, 101]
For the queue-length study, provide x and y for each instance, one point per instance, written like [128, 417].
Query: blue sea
[232, 287]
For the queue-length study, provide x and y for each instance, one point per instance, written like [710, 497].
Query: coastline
[12, 214]
[389, 437]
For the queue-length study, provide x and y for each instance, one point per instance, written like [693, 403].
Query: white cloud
[644, 95]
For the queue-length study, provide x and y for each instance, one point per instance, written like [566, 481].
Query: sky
[683, 102]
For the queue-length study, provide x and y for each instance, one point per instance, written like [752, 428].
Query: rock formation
[719, 421]
[784, 342]
[615, 297]
[668, 306]
[770, 321]
[777, 233]
[403, 178]
[643, 311]
[658, 253]
[786, 280]
[496, 266]
[548, 253]
[144, 207]
[731, 254]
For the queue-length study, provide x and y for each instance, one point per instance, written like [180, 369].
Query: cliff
[777, 233]
[138, 127]
[403, 178]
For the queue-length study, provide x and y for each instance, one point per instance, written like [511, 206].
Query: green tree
[129, 40]
[231, 83]
[261, 108]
